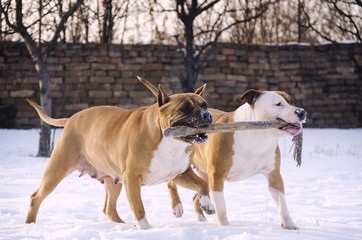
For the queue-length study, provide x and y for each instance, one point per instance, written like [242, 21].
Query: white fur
[178, 211]
[201, 218]
[205, 202]
[281, 204]
[217, 199]
[143, 224]
[271, 105]
[254, 150]
[169, 160]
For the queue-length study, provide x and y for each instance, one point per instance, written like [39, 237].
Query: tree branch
[342, 13]
[207, 7]
[62, 23]
[180, 10]
[5, 11]
[311, 26]
[262, 9]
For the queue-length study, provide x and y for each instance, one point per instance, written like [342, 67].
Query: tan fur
[239, 155]
[219, 144]
[117, 146]
[51, 121]
[275, 179]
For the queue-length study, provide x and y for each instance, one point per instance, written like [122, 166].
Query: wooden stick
[182, 131]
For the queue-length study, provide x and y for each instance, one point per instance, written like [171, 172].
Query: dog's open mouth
[291, 128]
[197, 138]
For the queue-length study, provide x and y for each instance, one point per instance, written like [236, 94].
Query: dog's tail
[51, 121]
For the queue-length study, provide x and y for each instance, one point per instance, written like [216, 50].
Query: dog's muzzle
[295, 128]
[205, 118]
[202, 119]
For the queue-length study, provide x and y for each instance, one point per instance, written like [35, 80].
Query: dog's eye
[186, 108]
[279, 104]
[203, 105]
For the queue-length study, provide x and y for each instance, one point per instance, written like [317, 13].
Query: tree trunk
[38, 56]
[107, 22]
[46, 103]
[188, 84]
[45, 93]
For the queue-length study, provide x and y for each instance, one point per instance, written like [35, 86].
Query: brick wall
[325, 80]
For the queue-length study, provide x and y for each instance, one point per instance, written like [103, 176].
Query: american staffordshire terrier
[239, 155]
[118, 146]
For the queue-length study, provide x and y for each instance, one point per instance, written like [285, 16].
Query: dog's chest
[253, 154]
[169, 160]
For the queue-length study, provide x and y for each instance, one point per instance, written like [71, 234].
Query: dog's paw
[142, 224]
[201, 218]
[289, 225]
[178, 210]
[126, 226]
[206, 205]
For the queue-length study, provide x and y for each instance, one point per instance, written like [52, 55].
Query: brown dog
[240, 155]
[117, 146]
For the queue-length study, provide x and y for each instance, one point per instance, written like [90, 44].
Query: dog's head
[183, 109]
[268, 105]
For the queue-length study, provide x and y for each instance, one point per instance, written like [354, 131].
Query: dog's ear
[200, 91]
[162, 96]
[287, 98]
[250, 96]
[149, 85]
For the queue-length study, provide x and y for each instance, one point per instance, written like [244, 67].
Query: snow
[324, 197]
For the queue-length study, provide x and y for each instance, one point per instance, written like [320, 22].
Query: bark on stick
[182, 131]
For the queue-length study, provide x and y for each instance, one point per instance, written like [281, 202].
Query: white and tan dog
[118, 146]
[240, 155]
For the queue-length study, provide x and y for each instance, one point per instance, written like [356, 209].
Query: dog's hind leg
[176, 204]
[190, 180]
[60, 165]
[276, 189]
[110, 204]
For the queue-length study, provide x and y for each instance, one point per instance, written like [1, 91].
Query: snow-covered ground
[324, 197]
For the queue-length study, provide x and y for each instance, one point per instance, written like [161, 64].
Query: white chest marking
[254, 151]
[169, 160]
[252, 155]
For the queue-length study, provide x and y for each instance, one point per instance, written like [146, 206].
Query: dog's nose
[206, 117]
[301, 113]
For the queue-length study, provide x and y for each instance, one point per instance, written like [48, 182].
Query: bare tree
[203, 24]
[284, 21]
[108, 15]
[14, 18]
[244, 33]
[157, 30]
[342, 20]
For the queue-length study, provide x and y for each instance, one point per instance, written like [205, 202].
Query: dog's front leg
[278, 197]
[216, 183]
[133, 191]
[276, 189]
[176, 204]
